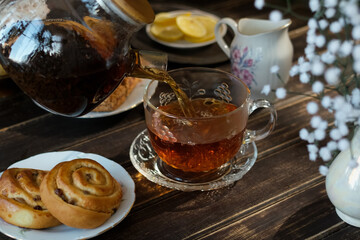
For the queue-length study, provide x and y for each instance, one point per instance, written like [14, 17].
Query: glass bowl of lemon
[184, 28]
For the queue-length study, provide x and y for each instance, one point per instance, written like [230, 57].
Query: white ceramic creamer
[257, 46]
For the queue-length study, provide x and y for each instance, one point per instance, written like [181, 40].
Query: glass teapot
[69, 55]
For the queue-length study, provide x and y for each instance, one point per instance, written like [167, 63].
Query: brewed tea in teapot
[68, 56]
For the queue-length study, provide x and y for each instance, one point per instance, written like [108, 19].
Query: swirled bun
[81, 193]
[20, 201]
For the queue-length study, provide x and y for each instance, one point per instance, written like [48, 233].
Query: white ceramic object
[256, 47]
[343, 183]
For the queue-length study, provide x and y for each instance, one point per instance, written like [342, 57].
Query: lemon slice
[2, 71]
[209, 23]
[190, 26]
[164, 18]
[166, 33]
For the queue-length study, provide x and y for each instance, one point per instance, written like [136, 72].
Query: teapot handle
[219, 35]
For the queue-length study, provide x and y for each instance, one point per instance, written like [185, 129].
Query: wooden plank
[347, 232]
[297, 217]
[51, 133]
[179, 215]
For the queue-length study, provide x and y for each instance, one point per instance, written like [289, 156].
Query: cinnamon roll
[81, 193]
[20, 200]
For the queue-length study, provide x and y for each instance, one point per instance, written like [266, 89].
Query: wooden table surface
[282, 197]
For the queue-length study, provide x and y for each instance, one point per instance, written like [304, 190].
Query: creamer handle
[220, 36]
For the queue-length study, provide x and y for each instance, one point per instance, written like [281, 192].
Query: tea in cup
[194, 148]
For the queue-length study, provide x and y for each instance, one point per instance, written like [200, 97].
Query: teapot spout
[148, 64]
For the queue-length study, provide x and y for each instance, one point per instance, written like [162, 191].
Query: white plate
[183, 43]
[46, 161]
[133, 100]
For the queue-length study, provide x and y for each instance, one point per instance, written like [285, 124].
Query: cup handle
[254, 135]
[219, 34]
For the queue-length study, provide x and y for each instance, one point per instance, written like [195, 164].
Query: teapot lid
[139, 10]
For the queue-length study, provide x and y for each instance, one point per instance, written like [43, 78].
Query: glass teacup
[196, 148]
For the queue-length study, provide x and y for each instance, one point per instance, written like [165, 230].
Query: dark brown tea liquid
[63, 66]
[198, 154]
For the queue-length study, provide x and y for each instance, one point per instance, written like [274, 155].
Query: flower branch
[331, 67]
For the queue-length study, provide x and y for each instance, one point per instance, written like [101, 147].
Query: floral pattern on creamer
[243, 64]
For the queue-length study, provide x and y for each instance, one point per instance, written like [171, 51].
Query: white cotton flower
[334, 45]
[311, 37]
[312, 148]
[332, 75]
[356, 66]
[317, 87]
[356, 32]
[325, 154]
[312, 156]
[339, 102]
[312, 108]
[323, 125]
[341, 20]
[335, 134]
[317, 68]
[356, 52]
[332, 145]
[304, 67]
[347, 109]
[275, 16]
[353, 164]
[310, 51]
[304, 134]
[323, 24]
[304, 78]
[280, 93]
[320, 41]
[330, 12]
[355, 20]
[343, 144]
[259, 4]
[266, 89]
[312, 24]
[301, 60]
[319, 134]
[328, 57]
[345, 48]
[274, 69]
[315, 121]
[324, 170]
[314, 5]
[311, 138]
[294, 70]
[350, 9]
[326, 102]
[355, 97]
[340, 116]
[335, 27]
[343, 129]
[330, 3]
